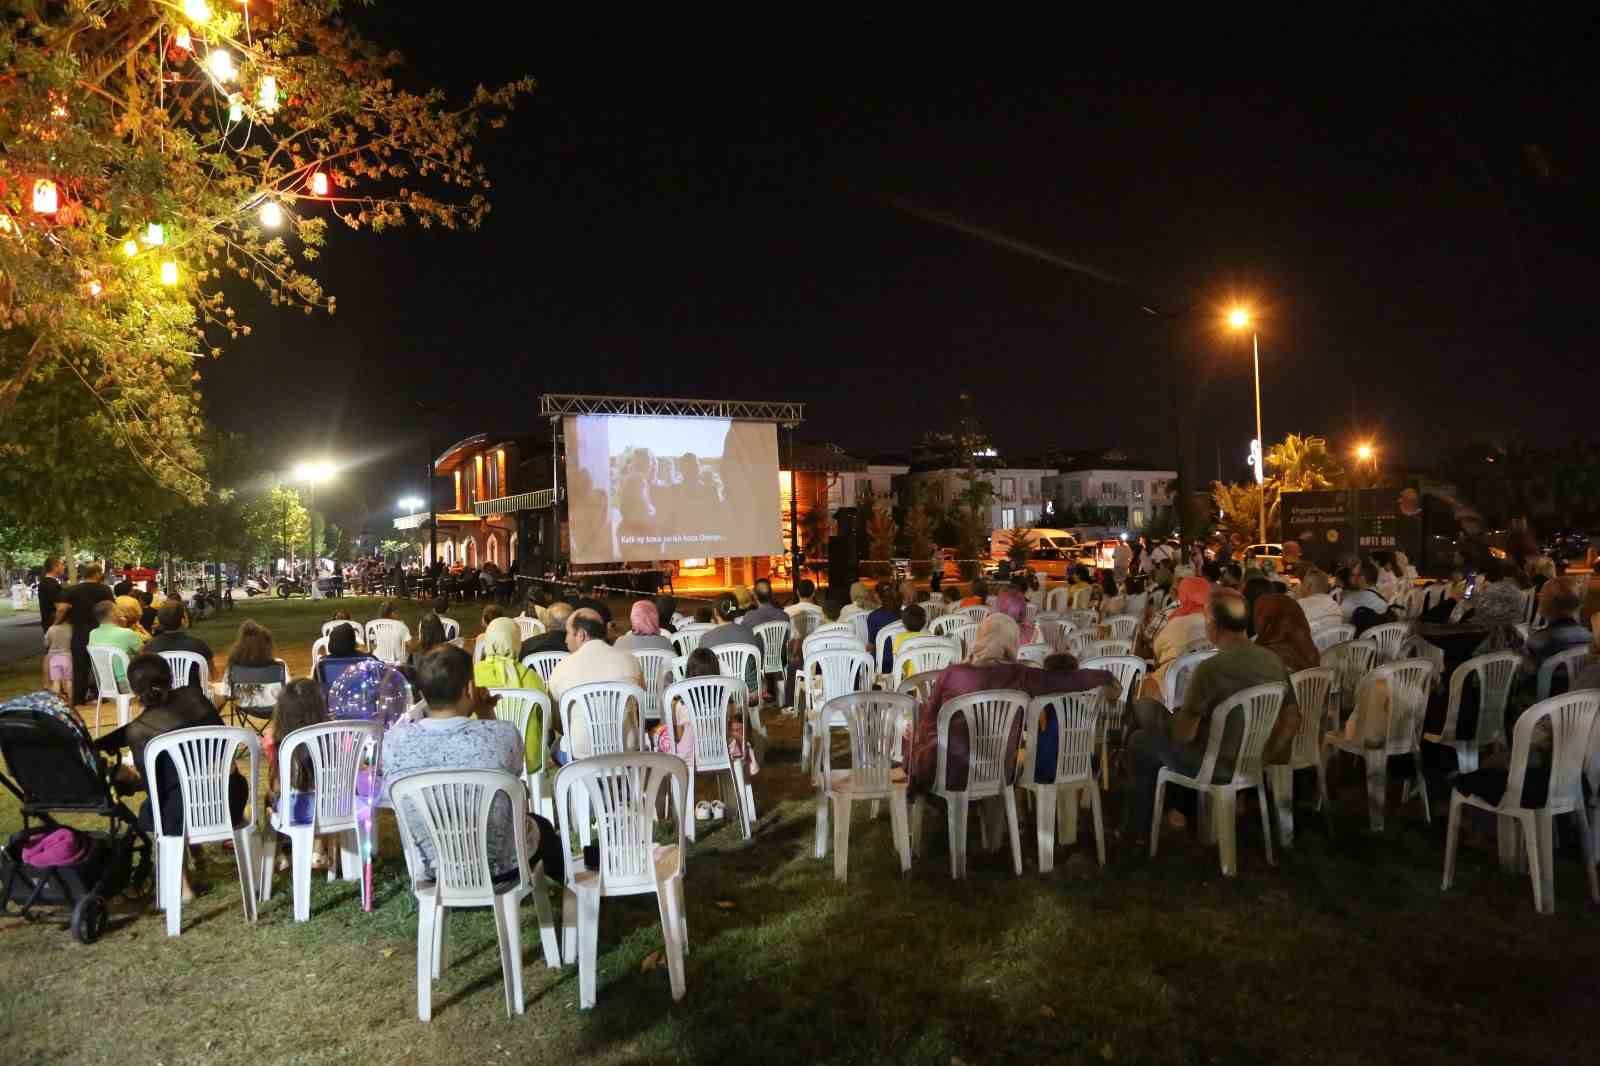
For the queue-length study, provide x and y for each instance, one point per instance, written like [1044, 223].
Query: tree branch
[13, 387]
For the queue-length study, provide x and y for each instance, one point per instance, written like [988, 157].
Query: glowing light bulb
[319, 184]
[169, 272]
[267, 93]
[181, 39]
[93, 287]
[5, 224]
[219, 61]
[235, 108]
[197, 10]
[130, 247]
[271, 214]
[46, 199]
[155, 234]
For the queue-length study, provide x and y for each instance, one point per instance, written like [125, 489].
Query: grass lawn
[1347, 952]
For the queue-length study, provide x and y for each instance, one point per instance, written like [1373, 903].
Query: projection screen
[642, 489]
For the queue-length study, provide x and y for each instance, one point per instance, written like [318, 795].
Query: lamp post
[1239, 318]
[312, 473]
[410, 505]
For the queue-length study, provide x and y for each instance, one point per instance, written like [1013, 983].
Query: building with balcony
[1018, 499]
[477, 507]
[1128, 492]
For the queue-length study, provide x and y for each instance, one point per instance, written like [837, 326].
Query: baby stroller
[54, 769]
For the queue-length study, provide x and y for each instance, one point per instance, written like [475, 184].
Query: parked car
[1271, 551]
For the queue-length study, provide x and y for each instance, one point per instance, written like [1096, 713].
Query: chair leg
[266, 856]
[1530, 838]
[1009, 798]
[301, 843]
[687, 814]
[349, 856]
[1544, 835]
[1045, 826]
[918, 810]
[741, 786]
[1508, 833]
[1586, 847]
[1282, 780]
[1099, 826]
[1324, 801]
[588, 941]
[1377, 762]
[569, 926]
[956, 817]
[1266, 823]
[841, 835]
[822, 823]
[441, 930]
[683, 915]
[1068, 800]
[1224, 816]
[244, 859]
[667, 895]
[1422, 788]
[427, 913]
[1451, 835]
[173, 856]
[1466, 757]
[898, 817]
[508, 931]
[547, 924]
[1155, 815]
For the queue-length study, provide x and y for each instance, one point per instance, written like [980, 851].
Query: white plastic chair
[335, 750]
[480, 648]
[774, 646]
[1076, 715]
[1313, 694]
[386, 639]
[1082, 618]
[825, 641]
[976, 613]
[203, 757]
[945, 624]
[1034, 654]
[965, 635]
[1105, 649]
[707, 699]
[919, 686]
[923, 654]
[1571, 720]
[1408, 682]
[1326, 637]
[805, 618]
[452, 808]
[1055, 600]
[991, 717]
[329, 627]
[830, 674]
[837, 629]
[319, 651]
[656, 666]
[603, 707]
[544, 663]
[1122, 626]
[1258, 707]
[1129, 671]
[104, 659]
[517, 706]
[1351, 661]
[886, 637]
[688, 638]
[1495, 673]
[183, 664]
[1175, 681]
[452, 631]
[876, 723]
[1573, 661]
[1054, 632]
[740, 661]
[624, 791]
[1387, 637]
[528, 627]
[1416, 647]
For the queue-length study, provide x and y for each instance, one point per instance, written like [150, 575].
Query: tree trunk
[66, 554]
[13, 387]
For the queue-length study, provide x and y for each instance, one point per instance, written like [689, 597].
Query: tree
[1022, 542]
[1303, 464]
[1240, 505]
[971, 519]
[151, 150]
[881, 532]
[277, 525]
[919, 539]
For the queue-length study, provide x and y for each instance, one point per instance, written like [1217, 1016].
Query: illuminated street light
[1239, 319]
[313, 473]
[410, 504]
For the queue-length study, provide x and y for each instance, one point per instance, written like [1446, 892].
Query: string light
[267, 93]
[197, 10]
[235, 108]
[5, 223]
[169, 272]
[46, 200]
[271, 214]
[219, 61]
[181, 39]
[93, 287]
[155, 234]
[319, 184]
[130, 247]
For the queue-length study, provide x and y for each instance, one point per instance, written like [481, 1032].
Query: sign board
[1332, 526]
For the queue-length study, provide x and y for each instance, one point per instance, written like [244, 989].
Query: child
[679, 740]
[299, 704]
[58, 655]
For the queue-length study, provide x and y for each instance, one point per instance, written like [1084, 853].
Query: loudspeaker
[847, 523]
[843, 570]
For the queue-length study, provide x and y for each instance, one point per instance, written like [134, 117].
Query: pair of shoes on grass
[710, 811]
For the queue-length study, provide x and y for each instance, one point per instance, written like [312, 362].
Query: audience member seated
[888, 611]
[587, 599]
[111, 630]
[1282, 629]
[430, 634]
[915, 619]
[460, 732]
[1360, 606]
[1185, 625]
[1011, 603]
[765, 610]
[666, 611]
[342, 652]
[1319, 607]
[1559, 603]
[300, 704]
[1179, 740]
[645, 634]
[592, 661]
[805, 596]
[555, 638]
[979, 597]
[1497, 607]
[679, 739]
[173, 621]
[254, 677]
[728, 631]
[993, 665]
[860, 601]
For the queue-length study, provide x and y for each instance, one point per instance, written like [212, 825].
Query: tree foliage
[1240, 505]
[137, 114]
[1303, 464]
[881, 532]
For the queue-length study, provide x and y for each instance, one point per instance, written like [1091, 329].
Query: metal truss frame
[557, 404]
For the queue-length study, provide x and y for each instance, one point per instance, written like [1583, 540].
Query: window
[1075, 490]
[1138, 518]
[1008, 488]
[1108, 488]
[1029, 516]
[863, 491]
[1137, 487]
[1008, 517]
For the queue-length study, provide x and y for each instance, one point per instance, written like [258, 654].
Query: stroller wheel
[89, 918]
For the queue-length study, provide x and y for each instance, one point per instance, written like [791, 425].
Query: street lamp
[312, 473]
[410, 504]
[1239, 319]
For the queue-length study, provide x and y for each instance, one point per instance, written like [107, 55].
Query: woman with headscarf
[1014, 606]
[499, 668]
[1254, 589]
[1282, 628]
[860, 600]
[993, 665]
[644, 633]
[1185, 625]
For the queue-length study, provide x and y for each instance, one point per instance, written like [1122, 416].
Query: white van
[1062, 539]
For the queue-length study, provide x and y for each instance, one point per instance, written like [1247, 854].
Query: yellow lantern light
[130, 247]
[219, 61]
[46, 198]
[271, 215]
[197, 10]
[182, 40]
[319, 184]
[235, 108]
[169, 272]
[267, 93]
[155, 234]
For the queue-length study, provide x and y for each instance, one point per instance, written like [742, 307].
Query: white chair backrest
[844, 629]
[329, 627]
[319, 651]
[1387, 637]
[1572, 662]
[516, 705]
[1350, 661]
[1082, 618]
[1258, 706]
[1101, 649]
[183, 664]
[876, 721]
[1495, 673]
[841, 672]
[452, 810]
[528, 627]
[1416, 603]
[991, 717]
[1055, 601]
[687, 639]
[203, 757]
[738, 660]
[1054, 632]
[707, 700]
[603, 707]
[1433, 595]
[886, 636]
[480, 648]
[1572, 727]
[656, 666]
[1408, 681]
[543, 662]
[1077, 717]
[976, 613]
[104, 657]
[1034, 654]
[1122, 626]
[1325, 637]
[924, 654]
[965, 635]
[774, 642]
[1415, 647]
[828, 642]
[946, 623]
[1313, 692]
[386, 639]
[920, 686]
[805, 617]
[1530, 605]
[858, 623]
[1136, 605]
[1128, 670]
[336, 751]
[452, 628]
[623, 795]
[1175, 681]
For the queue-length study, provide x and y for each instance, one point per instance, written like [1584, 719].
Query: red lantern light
[46, 200]
[319, 183]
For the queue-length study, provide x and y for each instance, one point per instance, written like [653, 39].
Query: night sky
[1409, 201]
